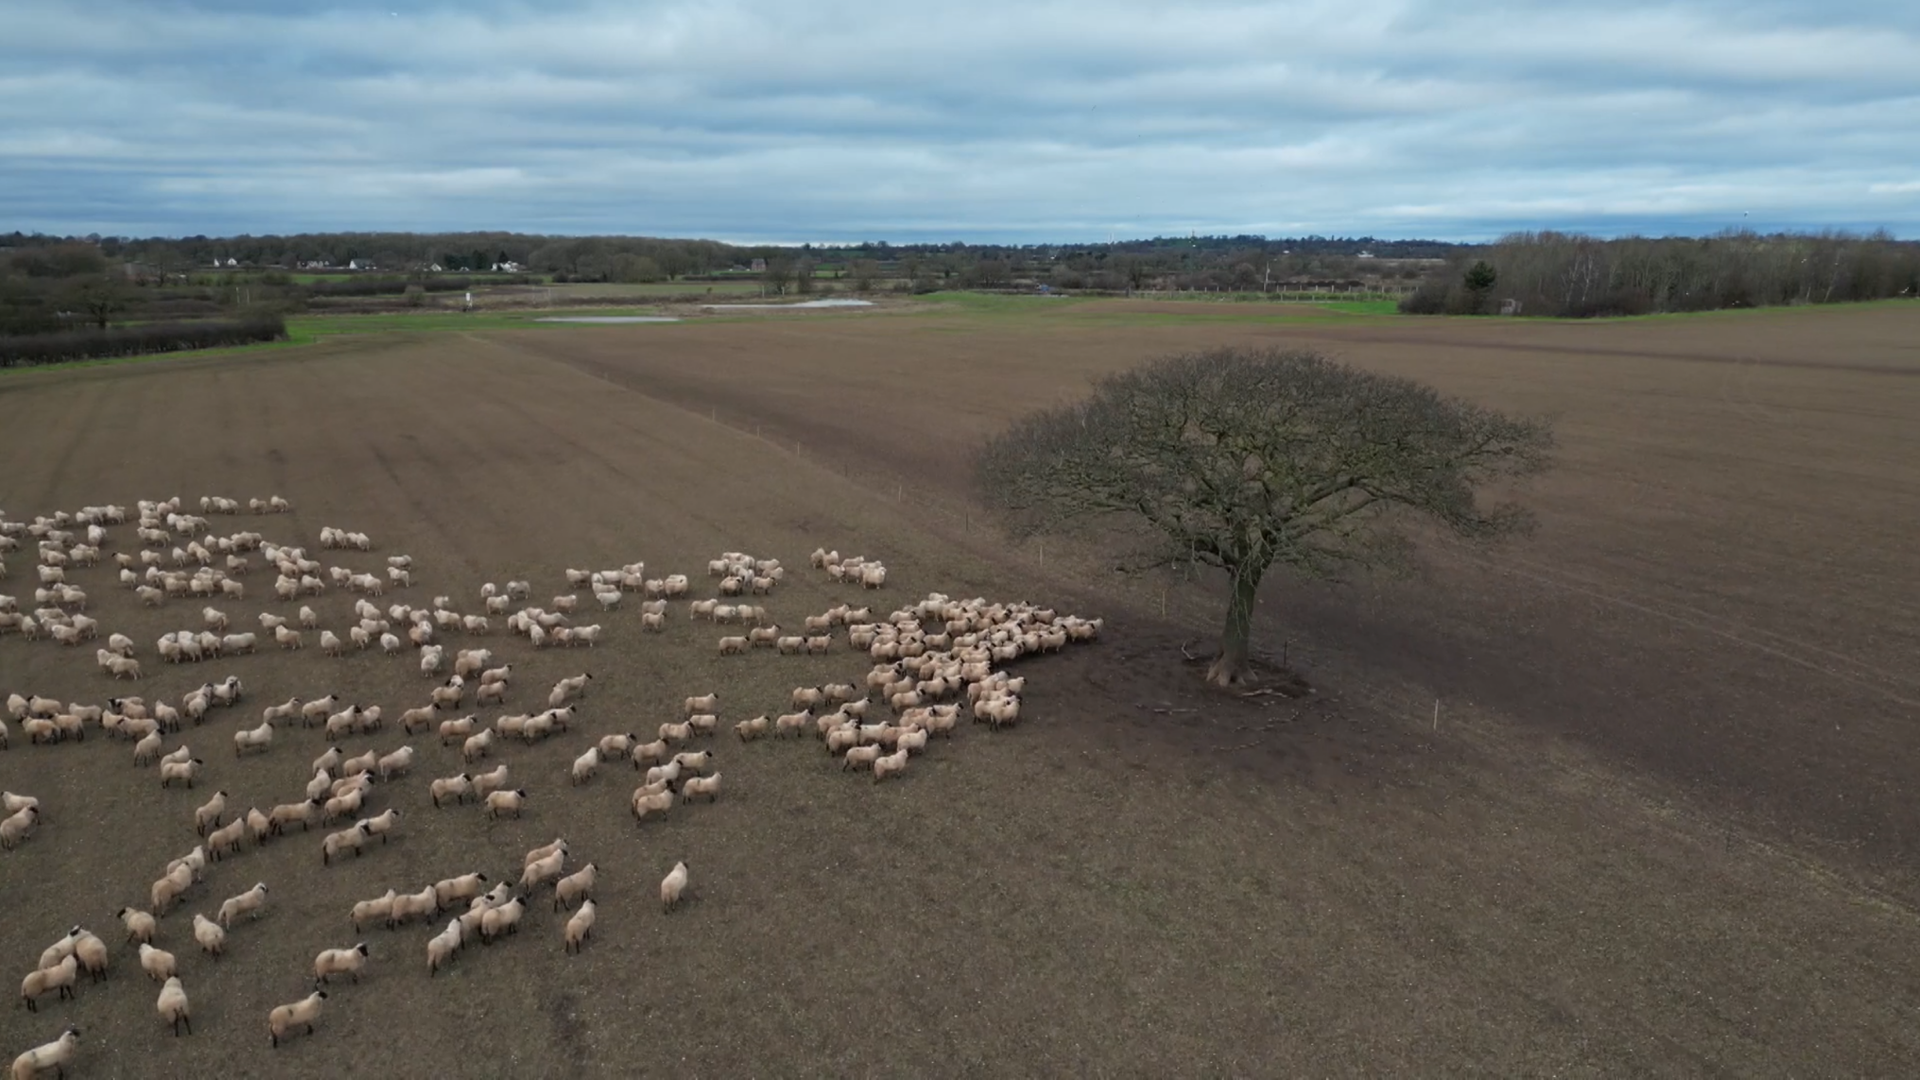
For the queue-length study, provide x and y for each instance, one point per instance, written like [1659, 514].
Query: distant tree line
[1568, 275]
[92, 343]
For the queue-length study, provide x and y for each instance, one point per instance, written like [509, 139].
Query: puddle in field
[607, 318]
[802, 304]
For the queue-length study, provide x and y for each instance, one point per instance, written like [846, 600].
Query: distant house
[360, 264]
[508, 267]
[759, 266]
[434, 269]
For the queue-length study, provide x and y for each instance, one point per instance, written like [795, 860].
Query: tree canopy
[1240, 459]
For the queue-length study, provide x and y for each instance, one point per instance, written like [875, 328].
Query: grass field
[1661, 822]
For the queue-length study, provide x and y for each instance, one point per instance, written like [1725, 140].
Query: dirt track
[1102, 891]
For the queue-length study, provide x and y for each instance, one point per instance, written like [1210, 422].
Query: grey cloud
[989, 120]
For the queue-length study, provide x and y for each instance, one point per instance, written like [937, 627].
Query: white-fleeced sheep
[673, 887]
[331, 962]
[157, 963]
[247, 903]
[56, 1055]
[345, 840]
[172, 1005]
[500, 802]
[284, 1018]
[701, 785]
[579, 925]
[208, 934]
[575, 886]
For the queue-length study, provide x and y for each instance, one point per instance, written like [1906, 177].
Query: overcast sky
[1025, 121]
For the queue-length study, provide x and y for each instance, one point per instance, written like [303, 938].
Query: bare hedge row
[1574, 276]
[91, 344]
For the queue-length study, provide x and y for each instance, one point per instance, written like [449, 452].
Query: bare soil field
[1658, 828]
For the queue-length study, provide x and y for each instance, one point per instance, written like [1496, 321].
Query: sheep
[424, 904]
[477, 747]
[390, 644]
[315, 711]
[653, 621]
[585, 765]
[454, 787]
[346, 804]
[145, 752]
[464, 887]
[54, 1055]
[396, 763]
[504, 919]
[288, 639]
[819, 644]
[499, 802]
[808, 697]
[209, 934]
[258, 825]
[208, 815]
[247, 903]
[584, 635]
[168, 887]
[91, 952]
[365, 763]
[284, 1018]
[676, 733]
[575, 886]
[913, 741]
[703, 723]
[330, 644]
[487, 782]
[157, 963]
[748, 730]
[613, 746]
[140, 925]
[649, 753]
[440, 947]
[287, 813]
[668, 773]
[366, 911]
[381, 824]
[651, 799]
[58, 977]
[226, 839]
[172, 1005]
[18, 826]
[539, 871]
[705, 703]
[795, 722]
[673, 887]
[733, 646]
[578, 927]
[183, 771]
[859, 757]
[701, 785]
[887, 765]
[567, 689]
[62, 948]
[609, 599]
[345, 840]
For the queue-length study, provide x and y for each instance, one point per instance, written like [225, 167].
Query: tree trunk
[1230, 667]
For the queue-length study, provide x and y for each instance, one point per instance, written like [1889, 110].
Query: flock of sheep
[931, 661]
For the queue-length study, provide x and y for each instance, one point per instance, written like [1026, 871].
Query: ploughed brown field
[1662, 822]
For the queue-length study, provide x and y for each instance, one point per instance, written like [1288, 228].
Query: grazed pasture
[1659, 827]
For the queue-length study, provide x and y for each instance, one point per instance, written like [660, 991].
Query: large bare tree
[1241, 459]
